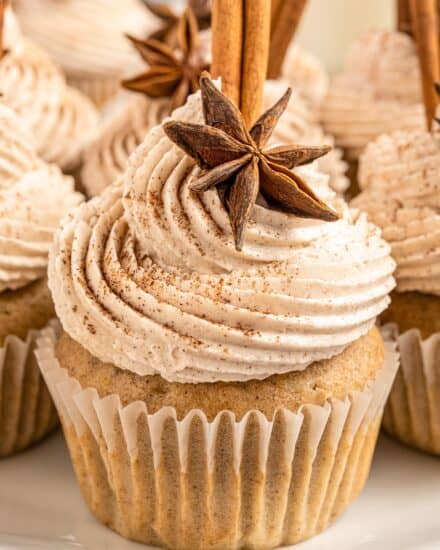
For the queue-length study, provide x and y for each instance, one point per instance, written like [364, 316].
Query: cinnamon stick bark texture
[403, 16]
[285, 18]
[256, 37]
[227, 40]
[425, 27]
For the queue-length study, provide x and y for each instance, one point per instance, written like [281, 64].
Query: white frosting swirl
[105, 160]
[34, 196]
[378, 91]
[61, 118]
[86, 37]
[306, 74]
[401, 177]
[299, 124]
[146, 276]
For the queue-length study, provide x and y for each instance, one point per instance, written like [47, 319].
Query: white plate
[41, 507]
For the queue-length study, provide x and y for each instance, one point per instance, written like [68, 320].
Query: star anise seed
[171, 73]
[167, 33]
[230, 155]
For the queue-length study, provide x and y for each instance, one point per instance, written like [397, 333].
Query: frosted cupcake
[299, 124]
[402, 195]
[104, 161]
[86, 38]
[33, 198]
[62, 119]
[378, 92]
[218, 372]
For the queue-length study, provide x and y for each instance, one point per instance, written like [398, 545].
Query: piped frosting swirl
[33, 198]
[146, 276]
[378, 91]
[61, 118]
[400, 175]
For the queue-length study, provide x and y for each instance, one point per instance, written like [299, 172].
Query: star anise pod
[171, 73]
[231, 155]
[170, 19]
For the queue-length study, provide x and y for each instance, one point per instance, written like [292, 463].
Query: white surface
[41, 507]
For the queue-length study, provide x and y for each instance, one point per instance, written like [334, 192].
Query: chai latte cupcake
[33, 197]
[215, 393]
[400, 175]
[86, 39]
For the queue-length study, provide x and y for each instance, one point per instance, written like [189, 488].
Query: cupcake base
[27, 413]
[412, 414]
[179, 479]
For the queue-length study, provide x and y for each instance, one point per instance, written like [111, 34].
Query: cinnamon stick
[403, 17]
[256, 38]
[425, 27]
[285, 18]
[3, 5]
[227, 40]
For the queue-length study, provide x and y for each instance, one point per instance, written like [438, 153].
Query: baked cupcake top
[62, 119]
[34, 196]
[377, 92]
[399, 173]
[147, 277]
[86, 37]
[299, 124]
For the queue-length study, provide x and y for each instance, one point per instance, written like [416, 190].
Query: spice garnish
[171, 73]
[170, 19]
[231, 155]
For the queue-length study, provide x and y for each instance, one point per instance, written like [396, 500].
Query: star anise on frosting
[235, 158]
[168, 32]
[171, 73]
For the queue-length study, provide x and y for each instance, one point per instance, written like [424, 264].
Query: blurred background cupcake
[62, 119]
[33, 197]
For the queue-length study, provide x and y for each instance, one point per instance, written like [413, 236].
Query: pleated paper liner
[27, 413]
[226, 484]
[412, 414]
[99, 90]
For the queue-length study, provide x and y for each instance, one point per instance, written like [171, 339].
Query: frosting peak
[147, 275]
[378, 91]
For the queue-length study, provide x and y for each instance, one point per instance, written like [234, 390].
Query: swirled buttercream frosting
[299, 124]
[400, 175]
[86, 37]
[33, 197]
[147, 276]
[378, 91]
[62, 119]
[306, 74]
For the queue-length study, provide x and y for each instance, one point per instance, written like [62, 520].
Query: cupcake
[93, 56]
[399, 173]
[219, 379]
[62, 119]
[104, 161]
[377, 92]
[33, 197]
[299, 124]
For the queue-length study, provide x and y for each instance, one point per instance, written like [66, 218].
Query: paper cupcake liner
[27, 413]
[99, 90]
[225, 484]
[412, 414]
